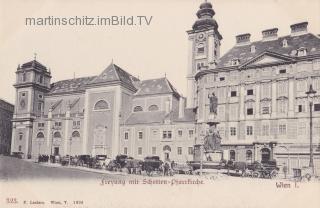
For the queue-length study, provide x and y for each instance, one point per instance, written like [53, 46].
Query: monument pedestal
[215, 156]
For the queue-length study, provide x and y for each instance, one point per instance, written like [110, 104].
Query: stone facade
[261, 87]
[6, 114]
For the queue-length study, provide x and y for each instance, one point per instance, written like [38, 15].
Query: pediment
[267, 58]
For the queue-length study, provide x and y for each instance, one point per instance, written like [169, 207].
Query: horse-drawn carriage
[152, 164]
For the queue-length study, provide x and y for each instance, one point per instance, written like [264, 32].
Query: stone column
[291, 97]
[274, 99]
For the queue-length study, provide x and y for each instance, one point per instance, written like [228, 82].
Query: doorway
[56, 151]
[265, 155]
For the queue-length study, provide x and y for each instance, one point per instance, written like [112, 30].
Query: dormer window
[253, 49]
[235, 62]
[285, 43]
[302, 51]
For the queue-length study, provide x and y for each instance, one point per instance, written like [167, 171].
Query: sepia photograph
[147, 103]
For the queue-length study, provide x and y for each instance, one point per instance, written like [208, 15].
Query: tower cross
[35, 56]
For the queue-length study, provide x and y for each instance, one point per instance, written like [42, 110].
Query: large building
[6, 114]
[262, 103]
[261, 88]
[112, 113]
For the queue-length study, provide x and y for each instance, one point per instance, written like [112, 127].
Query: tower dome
[205, 17]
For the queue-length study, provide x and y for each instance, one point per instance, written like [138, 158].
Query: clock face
[200, 36]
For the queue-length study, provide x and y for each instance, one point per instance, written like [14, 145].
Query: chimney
[243, 39]
[182, 106]
[299, 28]
[270, 34]
[167, 106]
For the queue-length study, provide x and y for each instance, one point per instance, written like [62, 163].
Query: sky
[147, 52]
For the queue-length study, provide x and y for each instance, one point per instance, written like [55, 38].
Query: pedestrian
[285, 170]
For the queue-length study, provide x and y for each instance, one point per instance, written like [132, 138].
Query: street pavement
[17, 169]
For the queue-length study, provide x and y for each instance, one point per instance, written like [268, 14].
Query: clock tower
[32, 83]
[204, 48]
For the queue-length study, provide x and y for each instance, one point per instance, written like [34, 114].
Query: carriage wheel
[255, 174]
[273, 174]
[307, 176]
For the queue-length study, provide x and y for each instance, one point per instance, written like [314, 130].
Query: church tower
[204, 47]
[32, 83]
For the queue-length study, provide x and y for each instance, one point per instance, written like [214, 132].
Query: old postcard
[172, 103]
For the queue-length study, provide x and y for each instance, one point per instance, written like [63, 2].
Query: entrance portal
[167, 150]
[56, 151]
[265, 155]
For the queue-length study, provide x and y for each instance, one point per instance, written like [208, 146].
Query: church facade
[263, 109]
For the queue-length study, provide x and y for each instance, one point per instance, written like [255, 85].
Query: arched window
[153, 108]
[75, 134]
[167, 148]
[101, 105]
[232, 155]
[57, 134]
[137, 109]
[249, 156]
[40, 135]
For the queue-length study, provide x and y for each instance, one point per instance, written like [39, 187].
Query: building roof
[189, 115]
[160, 116]
[35, 64]
[146, 117]
[244, 54]
[114, 73]
[70, 85]
[156, 86]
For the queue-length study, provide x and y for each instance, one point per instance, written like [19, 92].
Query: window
[302, 51]
[76, 123]
[40, 125]
[40, 106]
[233, 93]
[179, 133]
[40, 96]
[154, 150]
[282, 71]
[250, 92]
[153, 108]
[316, 107]
[139, 150]
[265, 110]
[249, 130]
[140, 134]
[282, 106]
[101, 105]
[253, 49]
[265, 130]
[284, 43]
[58, 124]
[20, 148]
[232, 155]
[137, 109]
[23, 94]
[75, 134]
[126, 135]
[282, 88]
[57, 134]
[24, 77]
[282, 129]
[41, 79]
[235, 62]
[221, 78]
[302, 85]
[179, 150]
[40, 135]
[125, 150]
[200, 48]
[20, 136]
[190, 150]
[233, 131]
[167, 134]
[200, 65]
[190, 133]
[249, 111]
[301, 108]
[301, 128]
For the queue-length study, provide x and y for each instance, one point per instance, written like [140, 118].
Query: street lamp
[310, 95]
[70, 150]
